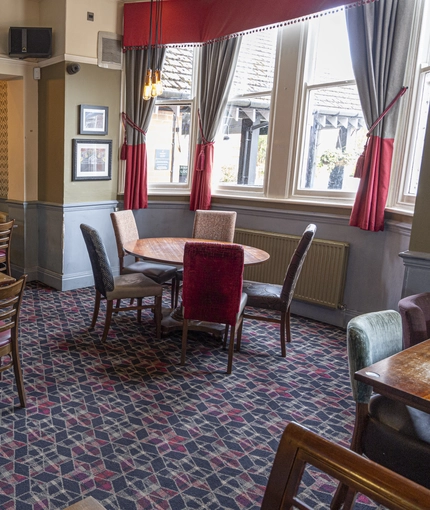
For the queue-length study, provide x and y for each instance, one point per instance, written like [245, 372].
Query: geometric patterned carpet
[125, 423]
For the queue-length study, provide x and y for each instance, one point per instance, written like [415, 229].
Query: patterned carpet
[126, 424]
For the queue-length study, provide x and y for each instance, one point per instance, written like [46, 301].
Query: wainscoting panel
[322, 279]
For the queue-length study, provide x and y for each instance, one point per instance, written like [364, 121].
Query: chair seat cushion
[264, 295]
[160, 273]
[4, 337]
[398, 437]
[134, 285]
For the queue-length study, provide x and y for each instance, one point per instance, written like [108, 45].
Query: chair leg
[184, 340]
[231, 349]
[239, 334]
[157, 316]
[282, 330]
[96, 309]
[177, 288]
[288, 325]
[109, 307]
[18, 377]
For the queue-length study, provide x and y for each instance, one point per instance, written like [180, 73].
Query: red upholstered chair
[6, 230]
[10, 306]
[415, 313]
[212, 289]
[213, 225]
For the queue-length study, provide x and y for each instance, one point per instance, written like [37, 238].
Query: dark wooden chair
[277, 298]
[10, 306]
[212, 290]
[300, 447]
[385, 430]
[213, 225]
[6, 230]
[125, 228]
[114, 288]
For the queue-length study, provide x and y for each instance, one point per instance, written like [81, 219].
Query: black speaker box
[30, 42]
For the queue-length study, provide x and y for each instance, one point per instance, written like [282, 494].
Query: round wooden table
[171, 250]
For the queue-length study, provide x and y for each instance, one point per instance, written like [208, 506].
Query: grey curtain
[217, 65]
[379, 34]
[137, 117]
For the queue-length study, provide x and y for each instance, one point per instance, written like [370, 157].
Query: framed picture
[92, 160]
[93, 120]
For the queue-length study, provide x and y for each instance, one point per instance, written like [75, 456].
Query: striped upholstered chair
[125, 228]
[114, 288]
[277, 298]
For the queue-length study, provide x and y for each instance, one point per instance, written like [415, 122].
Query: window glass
[241, 146]
[335, 131]
[168, 144]
[412, 181]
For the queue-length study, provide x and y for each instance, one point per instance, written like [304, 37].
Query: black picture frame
[93, 120]
[91, 160]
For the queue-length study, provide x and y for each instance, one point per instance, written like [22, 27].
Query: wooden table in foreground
[171, 251]
[405, 376]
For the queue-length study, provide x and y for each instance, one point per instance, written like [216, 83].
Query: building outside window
[168, 138]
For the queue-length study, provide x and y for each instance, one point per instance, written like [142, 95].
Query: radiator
[322, 279]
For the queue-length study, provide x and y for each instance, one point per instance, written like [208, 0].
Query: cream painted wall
[81, 35]
[24, 152]
[53, 14]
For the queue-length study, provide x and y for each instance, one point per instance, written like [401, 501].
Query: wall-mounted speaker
[30, 42]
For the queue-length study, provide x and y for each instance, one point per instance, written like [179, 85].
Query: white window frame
[416, 67]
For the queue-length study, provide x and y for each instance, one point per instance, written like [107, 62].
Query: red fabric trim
[194, 21]
[369, 206]
[201, 188]
[135, 190]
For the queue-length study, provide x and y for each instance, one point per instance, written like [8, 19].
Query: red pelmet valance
[200, 21]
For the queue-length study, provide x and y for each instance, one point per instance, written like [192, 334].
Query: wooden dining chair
[10, 308]
[125, 228]
[213, 225]
[300, 448]
[385, 430]
[277, 298]
[6, 230]
[212, 290]
[113, 288]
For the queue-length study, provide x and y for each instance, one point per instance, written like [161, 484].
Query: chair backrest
[213, 278]
[415, 313]
[296, 263]
[10, 306]
[214, 225]
[125, 228]
[371, 337]
[300, 447]
[103, 277]
[6, 230]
